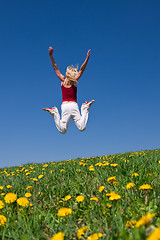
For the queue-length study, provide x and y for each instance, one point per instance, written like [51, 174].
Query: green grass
[39, 221]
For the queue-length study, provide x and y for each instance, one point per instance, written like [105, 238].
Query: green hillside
[105, 197]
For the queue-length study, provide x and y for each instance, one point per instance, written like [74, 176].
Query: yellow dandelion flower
[135, 174]
[113, 164]
[133, 222]
[10, 197]
[40, 193]
[106, 163]
[22, 201]
[95, 236]
[80, 198]
[145, 186]
[28, 173]
[85, 164]
[45, 165]
[3, 194]
[21, 209]
[29, 187]
[109, 194]
[145, 219]
[60, 201]
[3, 220]
[40, 176]
[31, 205]
[113, 196]
[82, 231]
[64, 212]
[34, 179]
[101, 188]
[94, 199]
[1, 187]
[58, 236]
[109, 205]
[1, 204]
[112, 180]
[9, 186]
[28, 194]
[130, 223]
[67, 197]
[99, 164]
[155, 235]
[80, 163]
[149, 174]
[91, 168]
[130, 185]
[62, 170]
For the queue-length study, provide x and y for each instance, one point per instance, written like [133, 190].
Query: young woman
[69, 105]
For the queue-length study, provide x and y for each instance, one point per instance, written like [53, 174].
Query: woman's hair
[71, 72]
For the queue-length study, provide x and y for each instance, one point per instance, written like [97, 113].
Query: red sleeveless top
[69, 94]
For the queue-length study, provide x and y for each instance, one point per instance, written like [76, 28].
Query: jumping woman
[69, 105]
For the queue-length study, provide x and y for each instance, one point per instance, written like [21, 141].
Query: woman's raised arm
[83, 65]
[59, 75]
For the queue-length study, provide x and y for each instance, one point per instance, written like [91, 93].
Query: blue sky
[123, 76]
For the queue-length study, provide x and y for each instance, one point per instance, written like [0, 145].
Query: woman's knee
[81, 129]
[63, 131]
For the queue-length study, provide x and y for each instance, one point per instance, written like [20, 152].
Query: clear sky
[122, 75]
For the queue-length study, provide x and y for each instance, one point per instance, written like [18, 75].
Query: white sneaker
[51, 110]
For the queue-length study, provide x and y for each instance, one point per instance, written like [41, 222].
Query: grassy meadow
[105, 197]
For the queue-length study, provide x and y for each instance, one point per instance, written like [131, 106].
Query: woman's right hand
[50, 51]
[88, 53]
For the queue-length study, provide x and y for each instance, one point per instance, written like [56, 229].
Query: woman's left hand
[88, 53]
